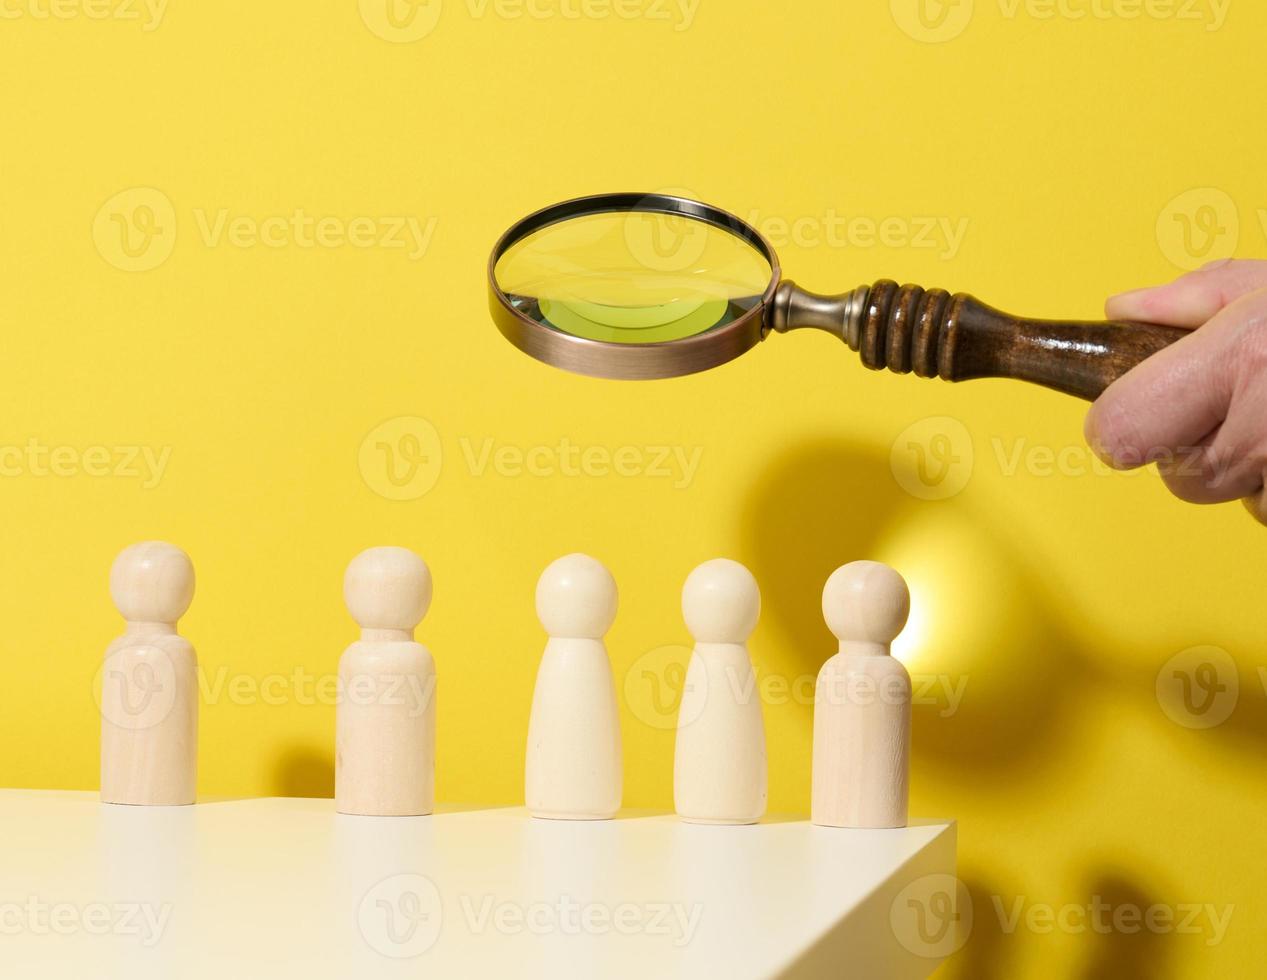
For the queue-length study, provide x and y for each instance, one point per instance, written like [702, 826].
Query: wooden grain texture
[934, 334]
[862, 703]
[385, 725]
[149, 683]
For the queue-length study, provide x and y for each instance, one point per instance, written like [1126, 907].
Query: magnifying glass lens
[633, 277]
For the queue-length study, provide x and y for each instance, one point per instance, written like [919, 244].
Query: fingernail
[1099, 447]
[1102, 453]
[1090, 433]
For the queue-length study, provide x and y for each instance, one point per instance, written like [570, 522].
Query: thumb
[1170, 401]
[1193, 299]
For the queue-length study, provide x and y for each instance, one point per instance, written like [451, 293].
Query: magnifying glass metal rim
[604, 359]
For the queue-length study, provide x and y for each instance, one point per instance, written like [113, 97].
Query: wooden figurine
[862, 703]
[719, 758]
[573, 768]
[385, 741]
[149, 684]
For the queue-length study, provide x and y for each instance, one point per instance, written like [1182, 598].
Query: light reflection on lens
[633, 277]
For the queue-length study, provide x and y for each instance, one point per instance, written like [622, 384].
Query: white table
[287, 887]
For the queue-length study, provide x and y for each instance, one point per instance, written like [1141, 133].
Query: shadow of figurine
[304, 772]
[995, 671]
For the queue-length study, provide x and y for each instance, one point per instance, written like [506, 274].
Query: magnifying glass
[655, 286]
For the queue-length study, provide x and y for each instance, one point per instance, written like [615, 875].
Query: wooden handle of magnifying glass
[935, 334]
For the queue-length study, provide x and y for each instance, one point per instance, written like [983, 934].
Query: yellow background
[1055, 597]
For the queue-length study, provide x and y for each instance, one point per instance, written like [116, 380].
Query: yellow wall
[1049, 595]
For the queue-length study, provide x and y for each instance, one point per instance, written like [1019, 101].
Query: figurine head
[152, 582]
[387, 589]
[866, 601]
[721, 602]
[576, 597]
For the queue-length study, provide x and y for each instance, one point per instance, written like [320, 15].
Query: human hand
[1198, 409]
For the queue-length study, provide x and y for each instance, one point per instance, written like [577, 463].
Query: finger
[1225, 467]
[1230, 464]
[1256, 504]
[1175, 398]
[1193, 299]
